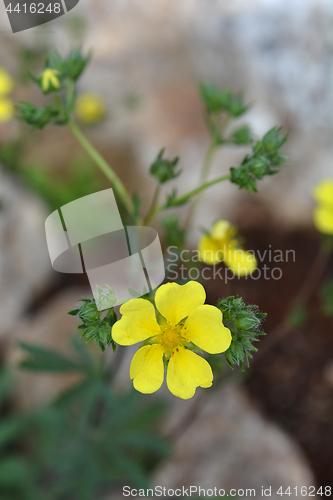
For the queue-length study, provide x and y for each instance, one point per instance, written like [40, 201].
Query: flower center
[170, 338]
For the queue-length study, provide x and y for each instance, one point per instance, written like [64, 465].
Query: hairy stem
[118, 186]
[183, 199]
[204, 176]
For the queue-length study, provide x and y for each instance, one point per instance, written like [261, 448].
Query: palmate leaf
[44, 359]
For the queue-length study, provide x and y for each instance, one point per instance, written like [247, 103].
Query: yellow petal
[204, 328]
[6, 83]
[7, 110]
[138, 323]
[186, 372]
[240, 261]
[221, 229]
[50, 77]
[209, 251]
[175, 302]
[323, 193]
[323, 219]
[147, 369]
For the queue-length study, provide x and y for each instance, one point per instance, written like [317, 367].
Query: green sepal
[93, 327]
[240, 136]
[37, 117]
[71, 66]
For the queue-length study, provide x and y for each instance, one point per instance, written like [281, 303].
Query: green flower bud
[164, 170]
[242, 135]
[246, 320]
[243, 321]
[265, 160]
[93, 327]
[217, 100]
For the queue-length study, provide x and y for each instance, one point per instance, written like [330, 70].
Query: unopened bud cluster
[243, 322]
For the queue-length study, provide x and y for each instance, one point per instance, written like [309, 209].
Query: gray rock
[52, 328]
[230, 445]
[25, 267]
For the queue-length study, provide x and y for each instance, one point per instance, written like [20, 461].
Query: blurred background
[269, 427]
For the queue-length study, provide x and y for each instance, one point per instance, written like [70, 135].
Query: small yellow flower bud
[50, 80]
[6, 83]
[90, 108]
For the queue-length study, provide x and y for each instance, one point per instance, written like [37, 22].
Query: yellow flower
[323, 213]
[183, 320]
[6, 83]
[221, 245]
[49, 80]
[90, 108]
[6, 110]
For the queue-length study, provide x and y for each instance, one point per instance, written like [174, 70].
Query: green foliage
[174, 201]
[326, 294]
[38, 117]
[243, 322]
[67, 71]
[221, 106]
[93, 327]
[240, 136]
[88, 441]
[43, 359]
[217, 100]
[70, 67]
[79, 180]
[265, 160]
[174, 234]
[164, 170]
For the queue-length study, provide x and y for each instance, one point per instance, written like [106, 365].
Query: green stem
[108, 314]
[183, 199]
[204, 176]
[104, 166]
[215, 142]
[60, 106]
[208, 162]
[151, 210]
